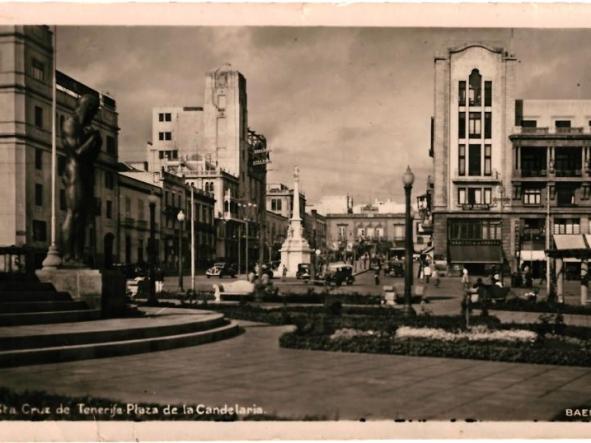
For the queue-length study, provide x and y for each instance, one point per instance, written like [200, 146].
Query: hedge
[538, 353]
[521, 305]
[309, 298]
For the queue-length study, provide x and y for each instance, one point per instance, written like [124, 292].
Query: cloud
[350, 106]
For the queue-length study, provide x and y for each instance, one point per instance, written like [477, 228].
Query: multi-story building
[315, 230]
[27, 55]
[175, 195]
[334, 204]
[280, 200]
[276, 227]
[344, 231]
[213, 147]
[134, 218]
[504, 168]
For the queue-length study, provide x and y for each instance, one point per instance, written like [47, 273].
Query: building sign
[475, 206]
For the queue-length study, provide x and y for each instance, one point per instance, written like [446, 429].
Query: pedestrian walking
[465, 277]
[427, 273]
[435, 277]
[159, 283]
[284, 273]
[376, 277]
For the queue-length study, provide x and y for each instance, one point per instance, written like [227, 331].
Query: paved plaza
[253, 369]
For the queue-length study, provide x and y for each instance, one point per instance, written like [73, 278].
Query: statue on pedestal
[82, 144]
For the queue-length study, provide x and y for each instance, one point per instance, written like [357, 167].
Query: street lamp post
[192, 239]
[152, 299]
[408, 179]
[181, 218]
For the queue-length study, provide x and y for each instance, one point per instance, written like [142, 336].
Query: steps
[172, 328]
[24, 300]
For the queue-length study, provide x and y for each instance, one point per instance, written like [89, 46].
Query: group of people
[429, 272]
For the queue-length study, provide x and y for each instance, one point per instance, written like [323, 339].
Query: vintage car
[339, 273]
[303, 272]
[396, 268]
[220, 270]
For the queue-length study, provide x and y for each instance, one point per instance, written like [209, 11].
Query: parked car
[339, 273]
[303, 272]
[221, 269]
[396, 268]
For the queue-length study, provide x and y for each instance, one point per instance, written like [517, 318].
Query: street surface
[253, 370]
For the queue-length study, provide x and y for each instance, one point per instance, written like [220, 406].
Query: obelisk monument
[295, 249]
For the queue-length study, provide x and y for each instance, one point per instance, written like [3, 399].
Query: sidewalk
[252, 369]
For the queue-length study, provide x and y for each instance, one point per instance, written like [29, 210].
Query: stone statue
[82, 144]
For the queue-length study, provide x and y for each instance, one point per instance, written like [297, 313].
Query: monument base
[103, 290]
[82, 284]
[292, 258]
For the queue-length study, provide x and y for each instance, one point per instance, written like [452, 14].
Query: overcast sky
[350, 106]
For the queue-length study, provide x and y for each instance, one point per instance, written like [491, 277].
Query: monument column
[295, 249]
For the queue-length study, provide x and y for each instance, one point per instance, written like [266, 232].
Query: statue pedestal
[293, 252]
[82, 284]
[103, 290]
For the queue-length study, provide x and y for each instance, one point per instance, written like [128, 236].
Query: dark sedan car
[220, 270]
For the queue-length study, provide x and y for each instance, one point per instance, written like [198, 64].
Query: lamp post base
[53, 259]
[409, 311]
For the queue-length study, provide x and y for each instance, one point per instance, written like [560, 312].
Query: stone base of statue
[293, 252]
[103, 290]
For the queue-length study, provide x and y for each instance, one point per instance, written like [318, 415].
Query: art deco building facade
[503, 168]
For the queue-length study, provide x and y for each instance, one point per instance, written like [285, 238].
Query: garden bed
[309, 298]
[548, 342]
[521, 305]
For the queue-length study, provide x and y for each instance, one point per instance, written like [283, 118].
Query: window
[221, 102]
[487, 93]
[399, 232]
[380, 233]
[38, 194]
[462, 160]
[141, 212]
[487, 159]
[370, 232]
[127, 207]
[474, 196]
[474, 160]
[462, 125]
[38, 70]
[109, 180]
[275, 204]
[487, 196]
[161, 117]
[562, 123]
[63, 199]
[475, 81]
[167, 117]
[39, 230]
[166, 135]
[161, 154]
[175, 154]
[38, 159]
[532, 196]
[567, 226]
[487, 125]
[342, 232]
[462, 93]
[39, 117]
[109, 209]
[111, 145]
[475, 125]
[461, 196]
[529, 123]
[61, 164]
[474, 229]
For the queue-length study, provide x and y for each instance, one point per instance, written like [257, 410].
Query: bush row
[310, 297]
[518, 304]
[538, 353]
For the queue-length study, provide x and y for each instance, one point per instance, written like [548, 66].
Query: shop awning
[566, 242]
[483, 254]
[574, 246]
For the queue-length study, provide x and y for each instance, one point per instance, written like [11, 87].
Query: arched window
[475, 82]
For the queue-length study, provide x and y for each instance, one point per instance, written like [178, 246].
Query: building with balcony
[506, 171]
[27, 56]
[212, 147]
